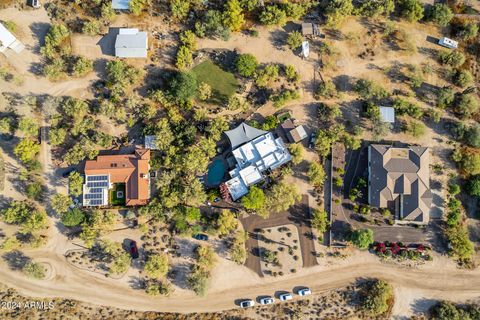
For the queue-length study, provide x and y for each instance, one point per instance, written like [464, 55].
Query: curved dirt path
[69, 282]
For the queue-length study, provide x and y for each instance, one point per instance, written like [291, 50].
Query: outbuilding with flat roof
[131, 43]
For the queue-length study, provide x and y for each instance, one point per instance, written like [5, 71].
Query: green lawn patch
[223, 83]
[117, 194]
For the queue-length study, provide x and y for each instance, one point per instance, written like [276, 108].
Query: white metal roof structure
[131, 43]
[95, 190]
[253, 158]
[8, 41]
[449, 43]
[387, 114]
[120, 4]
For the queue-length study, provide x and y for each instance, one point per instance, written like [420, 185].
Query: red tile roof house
[103, 173]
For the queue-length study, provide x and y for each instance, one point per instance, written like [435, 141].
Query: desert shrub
[463, 78]
[281, 99]
[454, 58]
[411, 10]
[415, 128]
[466, 105]
[327, 90]
[92, 28]
[82, 66]
[362, 238]
[34, 270]
[377, 297]
[440, 14]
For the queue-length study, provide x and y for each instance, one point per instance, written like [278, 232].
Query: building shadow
[107, 42]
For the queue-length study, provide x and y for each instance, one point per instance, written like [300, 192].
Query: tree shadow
[278, 38]
[16, 260]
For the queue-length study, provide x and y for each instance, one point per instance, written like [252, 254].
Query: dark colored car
[68, 172]
[201, 236]
[133, 249]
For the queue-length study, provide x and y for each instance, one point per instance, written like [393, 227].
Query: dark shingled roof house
[399, 179]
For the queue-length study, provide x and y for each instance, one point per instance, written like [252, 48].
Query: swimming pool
[216, 171]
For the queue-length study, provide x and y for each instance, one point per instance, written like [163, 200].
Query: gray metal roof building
[243, 134]
[400, 178]
[131, 43]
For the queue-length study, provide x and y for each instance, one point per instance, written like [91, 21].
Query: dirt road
[66, 281]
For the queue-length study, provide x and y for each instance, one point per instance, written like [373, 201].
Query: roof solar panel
[97, 178]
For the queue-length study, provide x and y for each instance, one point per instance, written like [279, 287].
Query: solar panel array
[97, 178]
[95, 186]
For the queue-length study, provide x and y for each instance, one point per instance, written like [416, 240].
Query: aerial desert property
[239, 159]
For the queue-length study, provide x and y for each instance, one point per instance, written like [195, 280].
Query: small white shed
[387, 114]
[131, 43]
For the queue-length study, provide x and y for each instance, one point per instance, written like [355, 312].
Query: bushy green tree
[27, 150]
[204, 91]
[337, 10]
[467, 30]
[445, 97]
[466, 105]
[120, 264]
[472, 135]
[267, 75]
[294, 40]
[326, 89]
[411, 10]
[29, 127]
[316, 174]
[273, 15]
[377, 297]
[468, 160]
[121, 75]
[61, 203]
[56, 42]
[55, 70]
[92, 27]
[440, 14]
[367, 89]
[255, 199]
[234, 18]
[463, 78]
[184, 86]
[184, 58]
[73, 218]
[137, 6]
[157, 266]
[281, 197]
[296, 150]
[362, 238]
[6, 125]
[415, 128]
[180, 9]
[189, 40]
[246, 64]
[375, 8]
[320, 221]
[238, 252]
[82, 67]
[226, 223]
[75, 184]
[473, 186]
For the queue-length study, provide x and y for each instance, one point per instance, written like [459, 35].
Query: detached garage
[130, 43]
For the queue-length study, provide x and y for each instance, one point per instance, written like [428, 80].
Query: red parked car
[133, 249]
